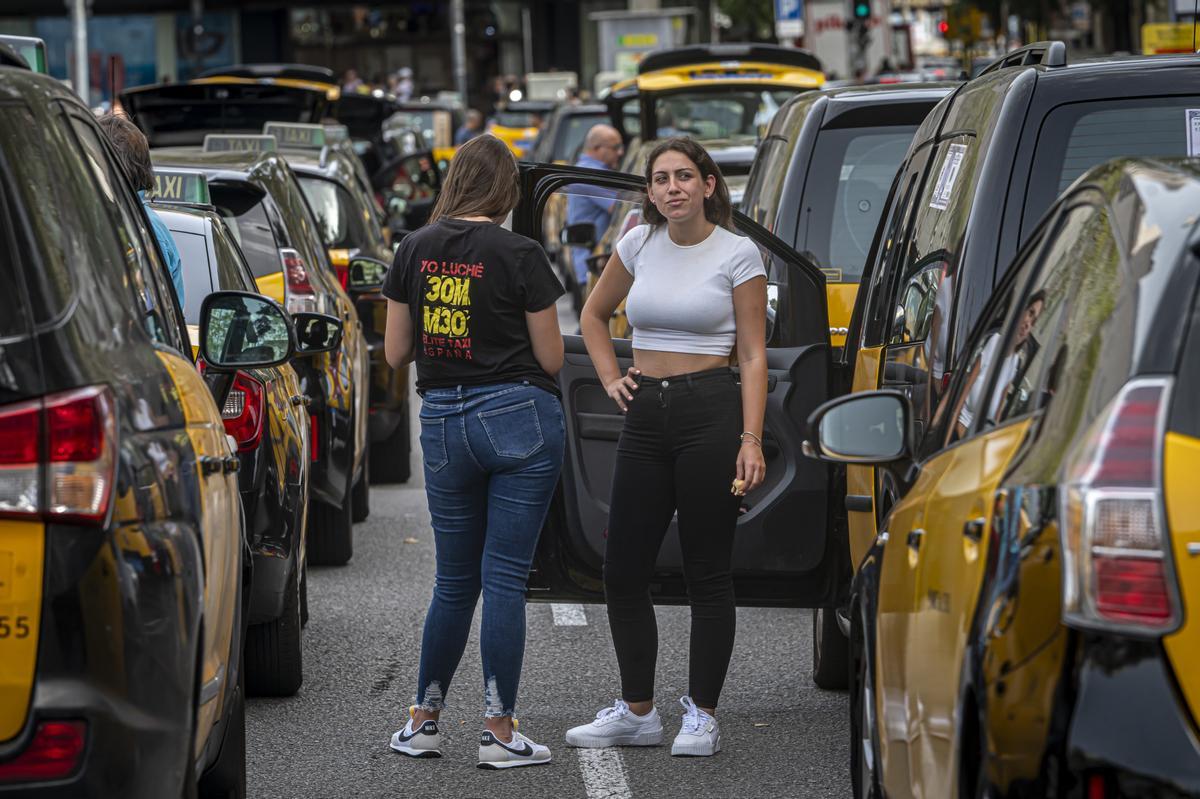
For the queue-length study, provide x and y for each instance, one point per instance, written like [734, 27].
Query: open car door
[784, 553]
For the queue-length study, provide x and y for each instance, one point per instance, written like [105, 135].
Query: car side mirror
[580, 234]
[366, 274]
[873, 427]
[317, 333]
[240, 330]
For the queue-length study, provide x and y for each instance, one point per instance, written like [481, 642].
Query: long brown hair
[482, 181]
[718, 208]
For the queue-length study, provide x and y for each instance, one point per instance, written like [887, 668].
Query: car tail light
[58, 456]
[297, 287]
[243, 411]
[53, 754]
[1116, 548]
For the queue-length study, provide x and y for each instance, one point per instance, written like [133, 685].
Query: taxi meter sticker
[1193, 132]
[951, 166]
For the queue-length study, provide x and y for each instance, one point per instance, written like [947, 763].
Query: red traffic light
[943, 27]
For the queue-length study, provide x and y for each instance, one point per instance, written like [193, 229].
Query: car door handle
[301, 399]
[914, 538]
[210, 464]
[231, 464]
[974, 529]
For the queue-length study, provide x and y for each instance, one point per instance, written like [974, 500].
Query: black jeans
[678, 452]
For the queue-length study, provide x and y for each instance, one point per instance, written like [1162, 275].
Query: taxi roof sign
[297, 135]
[238, 142]
[336, 134]
[181, 186]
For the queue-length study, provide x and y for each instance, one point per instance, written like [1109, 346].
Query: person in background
[133, 151]
[406, 86]
[472, 126]
[602, 149]
[351, 81]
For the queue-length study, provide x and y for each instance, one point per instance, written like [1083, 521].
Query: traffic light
[862, 9]
[943, 27]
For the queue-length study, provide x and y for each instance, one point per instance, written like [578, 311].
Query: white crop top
[682, 297]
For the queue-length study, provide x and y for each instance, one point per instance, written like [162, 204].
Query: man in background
[133, 151]
[602, 149]
[472, 126]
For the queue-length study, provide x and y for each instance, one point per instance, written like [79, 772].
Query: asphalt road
[781, 736]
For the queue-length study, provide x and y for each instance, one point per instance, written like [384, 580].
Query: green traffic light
[862, 10]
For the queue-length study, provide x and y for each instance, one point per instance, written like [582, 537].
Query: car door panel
[782, 553]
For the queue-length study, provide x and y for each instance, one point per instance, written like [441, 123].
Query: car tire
[830, 652]
[331, 532]
[360, 496]
[274, 662]
[391, 458]
[304, 596]
[864, 777]
[226, 778]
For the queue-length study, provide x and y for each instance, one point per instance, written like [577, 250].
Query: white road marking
[603, 774]
[569, 615]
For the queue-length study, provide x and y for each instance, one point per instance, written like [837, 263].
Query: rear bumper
[1130, 722]
[117, 650]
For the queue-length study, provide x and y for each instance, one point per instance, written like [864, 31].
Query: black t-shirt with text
[468, 286]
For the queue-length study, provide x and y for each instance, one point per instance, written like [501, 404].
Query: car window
[930, 254]
[144, 268]
[1078, 136]
[197, 276]
[719, 114]
[341, 221]
[233, 274]
[575, 129]
[1035, 348]
[303, 232]
[854, 166]
[56, 242]
[244, 212]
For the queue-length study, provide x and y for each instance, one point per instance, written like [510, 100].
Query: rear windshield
[197, 276]
[54, 244]
[719, 114]
[1078, 136]
[576, 127]
[243, 211]
[855, 167]
[341, 225]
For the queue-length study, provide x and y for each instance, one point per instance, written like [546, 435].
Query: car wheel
[360, 499]
[391, 458]
[274, 652]
[831, 651]
[226, 779]
[864, 775]
[331, 532]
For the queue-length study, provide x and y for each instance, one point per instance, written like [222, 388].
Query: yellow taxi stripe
[22, 557]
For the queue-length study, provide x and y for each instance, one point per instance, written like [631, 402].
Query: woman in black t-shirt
[474, 305]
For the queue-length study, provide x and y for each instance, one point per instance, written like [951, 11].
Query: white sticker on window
[1193, 132]
[847, 170]
[951, 166]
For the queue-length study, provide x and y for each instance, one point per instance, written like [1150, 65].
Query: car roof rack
[291, 71]
[1047, 54]
[707, 53]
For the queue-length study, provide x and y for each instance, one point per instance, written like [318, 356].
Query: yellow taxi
[123, 580]
[518, 124]
[1020, 625]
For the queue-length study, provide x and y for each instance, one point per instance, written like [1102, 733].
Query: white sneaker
[520, 751]
[425, 741]
[618, 726]
[700, 735]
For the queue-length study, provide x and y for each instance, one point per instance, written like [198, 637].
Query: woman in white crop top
[692, 440]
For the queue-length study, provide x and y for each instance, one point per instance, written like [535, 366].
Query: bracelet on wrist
[754, 439]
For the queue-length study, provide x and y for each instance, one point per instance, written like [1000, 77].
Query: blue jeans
[492, 457]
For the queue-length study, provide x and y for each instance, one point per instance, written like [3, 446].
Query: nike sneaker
[618, 726]
[423, 741]
[520, 751]
[700, 735]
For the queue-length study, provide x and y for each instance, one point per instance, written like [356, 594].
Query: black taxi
[265, 412]
[258, 196]
[123, 570]
[1021, 626]
[349, 220]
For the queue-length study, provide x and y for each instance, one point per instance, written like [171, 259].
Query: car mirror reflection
[871, 427]
[366, 274]
[240, 330]
[317, 333]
